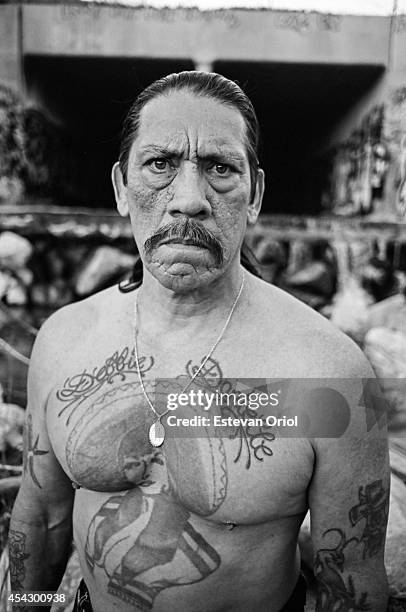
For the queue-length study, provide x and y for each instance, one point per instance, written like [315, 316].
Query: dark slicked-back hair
[205, 84]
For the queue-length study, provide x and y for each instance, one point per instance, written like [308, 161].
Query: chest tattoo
[80, 387]
[253, 441]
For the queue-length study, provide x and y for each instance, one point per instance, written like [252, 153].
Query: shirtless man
[201, 523]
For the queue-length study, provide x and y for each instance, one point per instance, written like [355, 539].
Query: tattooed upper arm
[349, 499]
[42, 471]
[40, 527]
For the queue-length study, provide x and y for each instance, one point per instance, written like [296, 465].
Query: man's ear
[255, 206]
[120, 190]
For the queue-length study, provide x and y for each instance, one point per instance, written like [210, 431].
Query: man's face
[188, 189]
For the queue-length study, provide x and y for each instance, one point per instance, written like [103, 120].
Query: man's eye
[159, 165]
[220, 169]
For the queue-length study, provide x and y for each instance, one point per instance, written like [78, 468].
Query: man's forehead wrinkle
[159, 144]
[161, 132]
[187, 126]
[181, 108]
[160, 149]
[211, 148]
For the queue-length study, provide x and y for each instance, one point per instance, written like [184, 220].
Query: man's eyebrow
[222, 156]
[159, 150]
[217, 154]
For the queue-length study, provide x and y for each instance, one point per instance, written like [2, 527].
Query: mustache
[186, 230]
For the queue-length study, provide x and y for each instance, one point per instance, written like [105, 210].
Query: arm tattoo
[334, 593]
[17, 554]
[373, 508]
[31, 450]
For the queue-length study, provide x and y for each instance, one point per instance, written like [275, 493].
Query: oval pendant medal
[156, 433]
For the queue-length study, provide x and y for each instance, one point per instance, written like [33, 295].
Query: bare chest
[99, 419]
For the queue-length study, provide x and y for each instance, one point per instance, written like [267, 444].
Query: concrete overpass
[203, 37]
[312, 77]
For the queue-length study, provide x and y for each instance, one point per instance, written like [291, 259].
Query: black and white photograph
[203, 305]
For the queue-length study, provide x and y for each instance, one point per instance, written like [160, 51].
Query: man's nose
[189, 196]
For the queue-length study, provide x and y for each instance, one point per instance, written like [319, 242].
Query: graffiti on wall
[359, 169]
[401, 192]
[286, 20]
[298, 22]
[330, 23]
[164, 15]
[397, 135]
[368, 170]
[398, 96]
[302, 22]
[400, 24]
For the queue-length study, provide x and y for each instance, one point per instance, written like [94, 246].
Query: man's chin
[181, 276]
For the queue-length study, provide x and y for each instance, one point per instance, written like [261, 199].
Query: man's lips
[185, 241]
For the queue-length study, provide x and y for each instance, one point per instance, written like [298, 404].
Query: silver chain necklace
[156, 432]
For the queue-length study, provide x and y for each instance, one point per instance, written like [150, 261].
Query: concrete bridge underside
[308, 75]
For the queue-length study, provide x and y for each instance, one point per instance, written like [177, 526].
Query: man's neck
[161, 310]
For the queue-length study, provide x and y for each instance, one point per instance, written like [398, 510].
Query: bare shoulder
[315, 341]
[334, 385]
[70, 321]
[67, 330]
